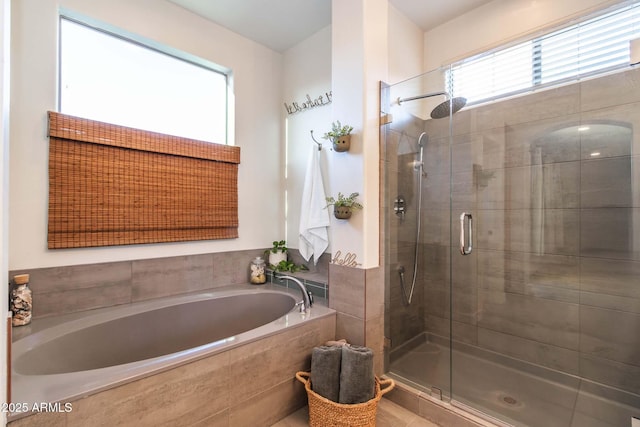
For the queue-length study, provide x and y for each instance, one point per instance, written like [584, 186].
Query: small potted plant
[344, 206]
[288, 266]
[340, 136]
[277, 253]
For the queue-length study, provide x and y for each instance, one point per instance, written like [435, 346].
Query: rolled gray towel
[357, 380]
[325, 371]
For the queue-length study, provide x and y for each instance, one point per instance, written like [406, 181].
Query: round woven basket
[325, 413]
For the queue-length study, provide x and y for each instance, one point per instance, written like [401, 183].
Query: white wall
[359, 61]
[5, 27]
[406, 47]
[495, 23]
[258, 92]
[306, 71]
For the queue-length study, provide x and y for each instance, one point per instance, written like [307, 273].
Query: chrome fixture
[307, 300]
[400, 206]
[419, 167]
[444, 109]
[465, 249]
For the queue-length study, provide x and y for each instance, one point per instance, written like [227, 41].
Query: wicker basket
[324, 412]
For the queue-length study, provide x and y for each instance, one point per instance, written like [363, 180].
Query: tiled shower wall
[554, 277]
[403, 321]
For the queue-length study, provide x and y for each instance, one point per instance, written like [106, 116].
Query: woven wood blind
[113, 185]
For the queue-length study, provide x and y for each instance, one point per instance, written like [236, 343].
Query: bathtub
[74, 356]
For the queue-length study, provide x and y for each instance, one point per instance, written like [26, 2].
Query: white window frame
[152, 45]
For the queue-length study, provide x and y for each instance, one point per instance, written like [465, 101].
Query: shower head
[444, 109]
[422, 135]
[448, 107]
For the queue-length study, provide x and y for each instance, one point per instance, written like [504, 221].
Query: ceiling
[280, 24]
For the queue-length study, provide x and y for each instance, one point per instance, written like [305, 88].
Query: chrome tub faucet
[307, 300]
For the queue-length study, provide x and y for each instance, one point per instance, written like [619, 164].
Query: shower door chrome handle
[465, 249]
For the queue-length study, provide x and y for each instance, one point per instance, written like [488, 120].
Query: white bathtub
[69, 357]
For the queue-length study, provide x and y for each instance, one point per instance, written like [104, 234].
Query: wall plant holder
[342, 212]
[342, 143]
[344, 206]
[340, 136]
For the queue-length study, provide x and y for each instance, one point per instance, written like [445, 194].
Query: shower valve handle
[465, 249]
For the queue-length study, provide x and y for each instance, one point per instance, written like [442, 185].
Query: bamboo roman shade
[113, 185]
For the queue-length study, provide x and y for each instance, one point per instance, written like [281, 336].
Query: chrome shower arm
[426, 95]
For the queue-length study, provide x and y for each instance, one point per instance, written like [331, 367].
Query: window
[137, 153]
[597, 45]
[108, 78]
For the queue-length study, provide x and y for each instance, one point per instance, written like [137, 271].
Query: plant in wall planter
[340, 136]
[288, 266]
[277, 253]
[343, 207]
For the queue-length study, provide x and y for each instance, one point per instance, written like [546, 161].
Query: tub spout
[306, 302]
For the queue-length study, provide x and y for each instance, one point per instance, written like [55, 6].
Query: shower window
[107, 77]
[597, 45]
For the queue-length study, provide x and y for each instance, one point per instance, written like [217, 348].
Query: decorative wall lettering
[296, 107]
[349, 259]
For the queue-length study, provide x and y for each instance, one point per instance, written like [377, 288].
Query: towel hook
[314, 140]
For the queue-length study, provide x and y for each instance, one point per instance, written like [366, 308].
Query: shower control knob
[399, 206]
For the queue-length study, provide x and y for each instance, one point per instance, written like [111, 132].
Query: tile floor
[389, 415]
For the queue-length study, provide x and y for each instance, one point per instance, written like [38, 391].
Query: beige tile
[263, 363]
[232, 268]
[542, 320]
[404, 397]
[351, 328]
[437, 325]
[221, 419]
[270, 406]
[300, 418]
[609, 233]
[609, 283]
[180, 396]
[80, 276]
[81, 299]
[542, 275]
[608, 182]
[390, 414]
[550, 231]
[347, 290]
[609, 372]
[375, 340]
[609, 91]
[158, 277]
[610, 334]
[533, 351]
[441, 416]
[374, 293]
[540, 105]
[50, 419]
[61, 290]
[464, 332]
[539, 142]
[624, 115]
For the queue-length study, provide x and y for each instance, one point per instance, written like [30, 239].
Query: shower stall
[511, 249]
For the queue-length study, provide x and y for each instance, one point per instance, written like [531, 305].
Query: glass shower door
[545, 302]
[415, 219]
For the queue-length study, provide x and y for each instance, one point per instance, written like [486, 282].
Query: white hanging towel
[314, 217]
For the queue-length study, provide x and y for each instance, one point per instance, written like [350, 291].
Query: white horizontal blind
[597, 45]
